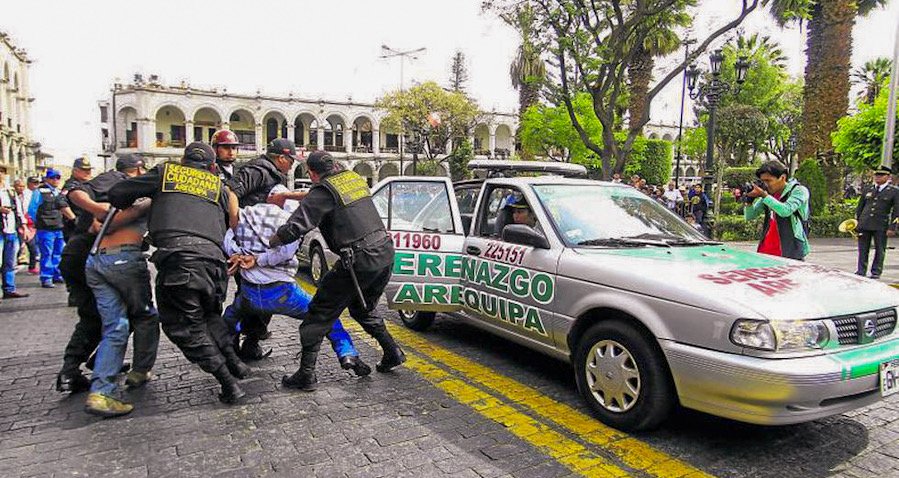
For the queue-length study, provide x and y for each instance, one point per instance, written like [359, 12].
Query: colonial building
[17, 146]
[157, 121]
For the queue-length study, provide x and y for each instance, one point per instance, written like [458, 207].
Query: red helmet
[224, 137]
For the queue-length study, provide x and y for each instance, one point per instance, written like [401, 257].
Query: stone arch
[388, 170]
[335, 131]
[170, 127]
[691, 172]
[126, 127]
[207, 120]
[361, 133]
[243, 123]
[653, 135]
[274, 125]
[365, 170]
[481, 139]
[245, 114]
[505, 141]
[305, 129]
[667, 137]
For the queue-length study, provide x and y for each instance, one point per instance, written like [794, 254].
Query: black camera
[747, 188]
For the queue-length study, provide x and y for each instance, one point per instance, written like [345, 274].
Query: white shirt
[9, 199]
[672, 197]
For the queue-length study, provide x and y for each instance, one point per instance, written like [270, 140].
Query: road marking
[632, 452]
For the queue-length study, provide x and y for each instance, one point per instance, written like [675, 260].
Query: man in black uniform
[81, 173]
[190, 213]
[252, 184]
[225, 144]
[340, 205]
[877, 206]
[86, 336]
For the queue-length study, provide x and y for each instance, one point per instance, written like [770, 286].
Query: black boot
[235, 365]
[250, 350]
[393, 354]
[231, 391]
[72, 382]
[304, 378]
[355, 363]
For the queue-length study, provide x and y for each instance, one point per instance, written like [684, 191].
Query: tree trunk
[528, 95]
[826, 95]
[639, 74]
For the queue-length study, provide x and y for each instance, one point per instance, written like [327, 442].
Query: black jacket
[876, 211]
[252, 182]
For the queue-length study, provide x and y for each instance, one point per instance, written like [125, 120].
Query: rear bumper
[777, 391]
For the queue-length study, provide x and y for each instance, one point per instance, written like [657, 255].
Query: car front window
[596, 215]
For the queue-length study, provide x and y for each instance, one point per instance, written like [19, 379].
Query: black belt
[371, 239]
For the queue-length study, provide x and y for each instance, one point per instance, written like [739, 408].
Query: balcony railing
[246, 147]
[131, 143]
[362, 148]
[334, 149]
[175, 143]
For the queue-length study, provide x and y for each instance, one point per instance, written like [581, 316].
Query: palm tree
[872, 78]
[828, 52]
[528, 70]
[755, 45]
[660, 40]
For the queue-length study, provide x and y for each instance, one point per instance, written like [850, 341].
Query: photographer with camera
[784, 204]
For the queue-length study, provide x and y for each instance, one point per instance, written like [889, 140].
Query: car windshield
[597, 215]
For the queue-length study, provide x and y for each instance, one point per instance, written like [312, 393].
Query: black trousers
[864, 247]
[337, 293]
[86, 335]
[189, 294]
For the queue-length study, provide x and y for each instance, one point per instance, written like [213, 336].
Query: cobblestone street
[467, 404]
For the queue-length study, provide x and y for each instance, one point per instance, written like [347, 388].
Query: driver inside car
[517, 211]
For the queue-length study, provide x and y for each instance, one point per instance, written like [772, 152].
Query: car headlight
[787, 335]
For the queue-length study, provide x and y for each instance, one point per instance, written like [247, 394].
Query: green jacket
[797, 201]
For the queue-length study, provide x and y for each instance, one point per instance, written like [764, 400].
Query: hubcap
[613, 376]
[406, 315]
[316, 266]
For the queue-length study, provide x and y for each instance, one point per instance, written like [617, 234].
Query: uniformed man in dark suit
[225, 143]
[878, 208]
[82, 171]
[339, 204]
[190, 213]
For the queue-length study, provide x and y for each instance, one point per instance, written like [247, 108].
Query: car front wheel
[624, 377]
[417, 320]
[318, 265]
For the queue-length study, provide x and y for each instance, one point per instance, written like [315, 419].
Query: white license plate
[889, 377]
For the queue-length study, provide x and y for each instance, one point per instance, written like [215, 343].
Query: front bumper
[777, 391]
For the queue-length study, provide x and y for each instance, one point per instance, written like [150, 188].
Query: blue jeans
[50, 242]
[9, 244]
[120, 282]
[285, 298]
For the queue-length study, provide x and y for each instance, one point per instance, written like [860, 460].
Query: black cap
[198, 152]
[82, 162]
[282, 146]
[128, 161]
[34, 180]
[320, 162]
[517, 201]
[883, 170]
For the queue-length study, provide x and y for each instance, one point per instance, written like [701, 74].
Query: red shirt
[771, 242]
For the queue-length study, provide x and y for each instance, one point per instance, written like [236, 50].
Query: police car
[649, 313]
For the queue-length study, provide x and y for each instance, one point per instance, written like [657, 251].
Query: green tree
[859, 138]
[591, 45]
[459, 158]
[828, 60]
[528, 70]
[416, 109]
[548, 131]
[458, 73]
[741, 132]
[872, 77]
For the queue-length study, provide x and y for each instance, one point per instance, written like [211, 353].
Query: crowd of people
[203, 220]
[689, 202]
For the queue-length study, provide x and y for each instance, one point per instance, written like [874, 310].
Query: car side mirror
[524, 235]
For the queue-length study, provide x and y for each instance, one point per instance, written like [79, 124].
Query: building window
[103, 115]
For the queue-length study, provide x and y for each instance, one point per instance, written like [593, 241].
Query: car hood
[720, 278]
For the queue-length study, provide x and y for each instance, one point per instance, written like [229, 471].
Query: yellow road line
[634, 453]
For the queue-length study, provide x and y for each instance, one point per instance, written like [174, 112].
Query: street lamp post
[680, 124]
[711, 92]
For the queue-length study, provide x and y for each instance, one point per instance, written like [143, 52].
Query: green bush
[810, 175]
[736, 177]
[845, 208]
[429, 168]
[735, 228]
[651, 159]
[730, 206]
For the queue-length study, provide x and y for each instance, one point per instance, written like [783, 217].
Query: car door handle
[473, 250]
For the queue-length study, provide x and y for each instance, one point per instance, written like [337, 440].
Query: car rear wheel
[624, 377]
[417, 320]
[318, 265]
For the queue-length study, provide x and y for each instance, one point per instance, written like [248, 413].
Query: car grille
[847, 326]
